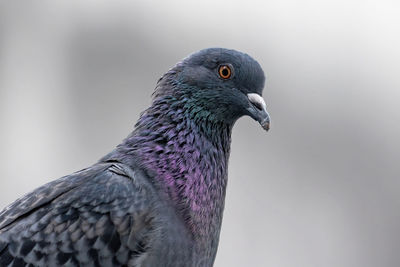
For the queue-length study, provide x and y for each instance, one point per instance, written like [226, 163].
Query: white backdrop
[320, 189]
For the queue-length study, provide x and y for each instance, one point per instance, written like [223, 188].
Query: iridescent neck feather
[185, 149]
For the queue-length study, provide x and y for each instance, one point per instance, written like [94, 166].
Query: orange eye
[224, 71]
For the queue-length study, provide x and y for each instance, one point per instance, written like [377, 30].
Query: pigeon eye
[224, 72]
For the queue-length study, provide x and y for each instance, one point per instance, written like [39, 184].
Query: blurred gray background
[321, 188]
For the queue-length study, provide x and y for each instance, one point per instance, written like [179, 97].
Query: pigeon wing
[102, 214]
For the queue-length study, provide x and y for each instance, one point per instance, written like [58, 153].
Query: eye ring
[225, 71]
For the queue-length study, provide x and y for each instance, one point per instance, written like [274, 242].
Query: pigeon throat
[187, 157]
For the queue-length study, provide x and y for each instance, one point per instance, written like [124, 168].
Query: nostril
[257, 105]
[257, 101]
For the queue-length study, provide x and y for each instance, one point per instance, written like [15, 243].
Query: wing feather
[99, 216]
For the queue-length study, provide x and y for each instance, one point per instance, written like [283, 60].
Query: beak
[258, 110]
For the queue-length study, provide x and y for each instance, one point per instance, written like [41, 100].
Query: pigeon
[157, 199]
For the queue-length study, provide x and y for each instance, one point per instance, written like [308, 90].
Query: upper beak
[258, 110]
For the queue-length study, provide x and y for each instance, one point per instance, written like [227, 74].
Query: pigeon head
[218, 84]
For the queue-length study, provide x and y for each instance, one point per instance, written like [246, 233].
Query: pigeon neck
[188, 160]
